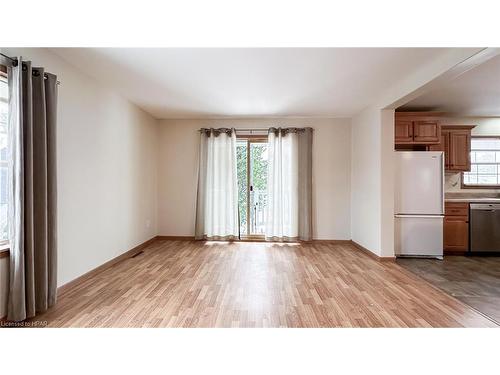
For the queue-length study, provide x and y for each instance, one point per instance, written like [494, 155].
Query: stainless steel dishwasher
[484, 227]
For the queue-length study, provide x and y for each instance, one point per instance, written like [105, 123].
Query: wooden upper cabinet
[445, 140]
[416, 128]
[419, 131]
[459, 150]
[403, 132]
[426, 131]
[442, 141]
[443, 145]
[455, 142]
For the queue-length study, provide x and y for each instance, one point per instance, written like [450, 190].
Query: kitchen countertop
[473, 200]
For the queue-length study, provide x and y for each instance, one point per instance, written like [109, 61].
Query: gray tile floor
[473, 280]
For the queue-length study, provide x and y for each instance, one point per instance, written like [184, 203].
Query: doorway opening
[251, 155]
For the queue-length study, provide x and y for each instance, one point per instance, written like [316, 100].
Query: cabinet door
[456, 233]
[427, 131]
[403, 132]
[443, 145]
[459, 151]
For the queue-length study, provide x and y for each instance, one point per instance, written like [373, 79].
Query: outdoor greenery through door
[252, 185]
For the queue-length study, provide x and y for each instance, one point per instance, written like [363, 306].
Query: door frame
[249, 140]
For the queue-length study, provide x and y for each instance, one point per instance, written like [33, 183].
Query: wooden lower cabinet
[456, 233]
[456, 227]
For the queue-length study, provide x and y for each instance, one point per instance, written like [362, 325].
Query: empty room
[245, 193]
[202, 217]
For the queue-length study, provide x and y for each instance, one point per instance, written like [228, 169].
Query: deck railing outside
[258, 201]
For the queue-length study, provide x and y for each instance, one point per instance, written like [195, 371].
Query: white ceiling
[475, 93]
[256, 82]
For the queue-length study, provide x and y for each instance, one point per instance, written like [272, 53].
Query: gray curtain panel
[289, 185]
[305, 183]
[33, 212]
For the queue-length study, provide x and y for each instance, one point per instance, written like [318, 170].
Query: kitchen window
[485, 163]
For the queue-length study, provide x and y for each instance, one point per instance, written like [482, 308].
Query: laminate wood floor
[473, 280]
[217, 284]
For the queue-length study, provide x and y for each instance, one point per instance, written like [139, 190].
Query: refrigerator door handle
[442, 183]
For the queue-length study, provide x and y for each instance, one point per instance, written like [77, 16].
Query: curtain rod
[240, 129]
[262, 129]
[14, 62]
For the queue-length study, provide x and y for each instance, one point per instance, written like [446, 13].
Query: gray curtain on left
[33, 193]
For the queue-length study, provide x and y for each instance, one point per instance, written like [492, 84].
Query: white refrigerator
[419, 204]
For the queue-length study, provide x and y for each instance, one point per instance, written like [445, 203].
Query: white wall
[387, 183]
[365, 179]
[372, 184]
[107, 169]
[177, 178]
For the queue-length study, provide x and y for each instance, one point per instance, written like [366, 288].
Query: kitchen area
[471, 190]
[447, 187]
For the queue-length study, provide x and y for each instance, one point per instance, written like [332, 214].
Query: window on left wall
[4, 106]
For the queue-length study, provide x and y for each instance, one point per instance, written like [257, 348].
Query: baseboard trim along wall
[338, 242]
[191, 238]
[175, 238]
[372, 254]
[128, 254]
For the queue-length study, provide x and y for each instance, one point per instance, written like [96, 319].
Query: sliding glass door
[252, 186]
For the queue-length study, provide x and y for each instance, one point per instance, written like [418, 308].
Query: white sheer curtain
[289, 185]
[217, 200]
